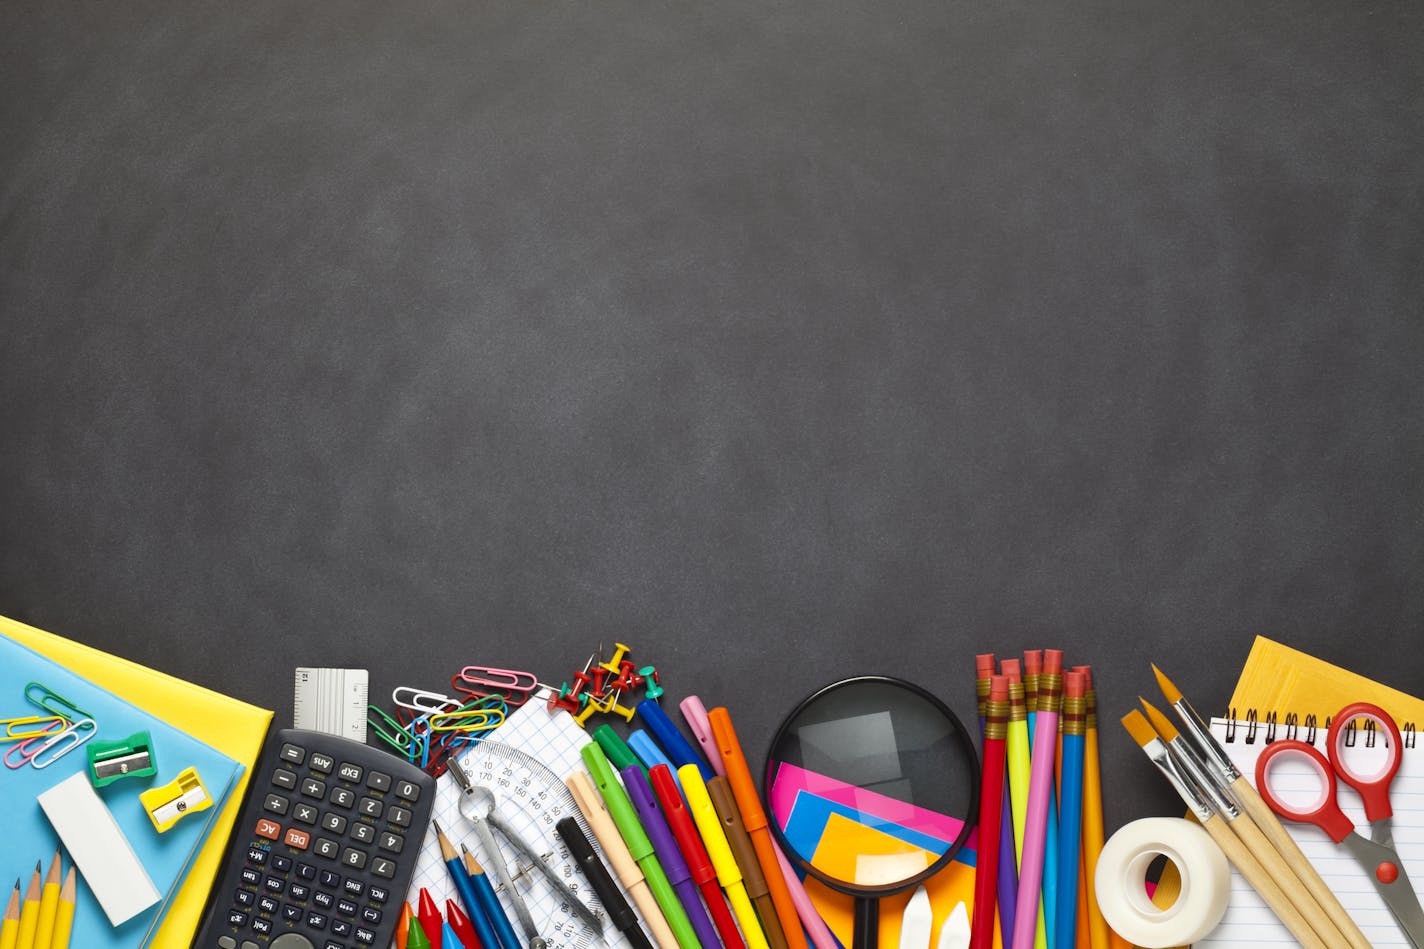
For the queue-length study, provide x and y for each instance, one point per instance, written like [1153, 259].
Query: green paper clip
[51, 701]
[111, 761]
[398, 737]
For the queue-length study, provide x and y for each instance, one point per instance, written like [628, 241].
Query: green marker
[639, 846]
[617, 750]
[415, 937]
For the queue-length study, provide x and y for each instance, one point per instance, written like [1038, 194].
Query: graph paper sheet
[555, 740]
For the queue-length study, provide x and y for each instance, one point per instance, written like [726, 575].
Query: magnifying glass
[873, 786]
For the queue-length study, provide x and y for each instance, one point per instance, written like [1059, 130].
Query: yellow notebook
[234, 728]
[1283, 680]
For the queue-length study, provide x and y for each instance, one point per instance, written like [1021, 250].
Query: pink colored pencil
[1045, 749]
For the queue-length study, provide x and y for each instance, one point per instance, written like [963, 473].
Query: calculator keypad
[330, 835]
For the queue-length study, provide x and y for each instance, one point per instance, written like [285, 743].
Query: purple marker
[665, 846]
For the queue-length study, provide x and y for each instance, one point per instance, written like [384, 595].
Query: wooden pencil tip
[67, 892]
[1168, 687]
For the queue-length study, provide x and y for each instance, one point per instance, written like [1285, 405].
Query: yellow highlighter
[709, 825]
[49, 903]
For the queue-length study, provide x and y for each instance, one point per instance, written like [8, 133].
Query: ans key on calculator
[324, 850]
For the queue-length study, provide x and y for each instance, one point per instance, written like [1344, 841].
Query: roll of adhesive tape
[1122, 882]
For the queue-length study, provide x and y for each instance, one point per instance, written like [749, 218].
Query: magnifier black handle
[867, 923]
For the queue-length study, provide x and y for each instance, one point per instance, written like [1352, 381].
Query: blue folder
[28, 834]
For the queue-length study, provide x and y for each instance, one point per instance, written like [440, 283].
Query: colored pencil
[10, 926]
[1033, 669]
[1007, 883]
[49, 903]
[1070, 809]
[30, 912]
[475, 914]
[1093, 834]
[1050, 698]
[64, 917]
[489, 903]
[996, 722]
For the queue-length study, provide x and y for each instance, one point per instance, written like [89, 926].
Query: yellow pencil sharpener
[169, 804]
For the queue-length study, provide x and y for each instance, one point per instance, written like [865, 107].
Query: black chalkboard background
[782, 340]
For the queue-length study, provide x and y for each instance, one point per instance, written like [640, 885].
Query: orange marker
[403, 927]
[754, 820]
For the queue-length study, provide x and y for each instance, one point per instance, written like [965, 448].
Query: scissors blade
[1398, 893]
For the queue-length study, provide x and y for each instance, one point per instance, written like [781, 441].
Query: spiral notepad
[1248, 921]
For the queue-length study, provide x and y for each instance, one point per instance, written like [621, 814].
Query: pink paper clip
[62, 744]
[484, 678]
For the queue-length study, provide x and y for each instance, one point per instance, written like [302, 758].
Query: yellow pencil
[64, 917]
[10, 925]
[30, 912]
[49, 903]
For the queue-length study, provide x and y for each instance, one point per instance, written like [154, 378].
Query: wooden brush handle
[1299, 864]
[1278, 869]
[1261, 882]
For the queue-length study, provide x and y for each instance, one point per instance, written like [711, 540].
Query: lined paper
[1248, 921]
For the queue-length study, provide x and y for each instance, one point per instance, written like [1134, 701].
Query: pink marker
[1045, 749]
[696, 715]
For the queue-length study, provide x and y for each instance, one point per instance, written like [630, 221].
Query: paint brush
[1204, 803]
[1221, 768]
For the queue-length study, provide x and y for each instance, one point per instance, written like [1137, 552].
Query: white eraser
[99, 849]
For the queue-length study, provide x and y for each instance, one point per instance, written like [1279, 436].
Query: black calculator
[324, 849]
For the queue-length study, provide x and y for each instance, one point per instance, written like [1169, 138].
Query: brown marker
[725, 804]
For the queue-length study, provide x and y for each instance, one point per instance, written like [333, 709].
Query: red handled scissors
[1377, 854]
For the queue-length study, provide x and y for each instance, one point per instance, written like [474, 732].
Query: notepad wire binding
[1292, 726]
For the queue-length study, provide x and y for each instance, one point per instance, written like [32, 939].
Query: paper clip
[389, 730]
[48, 699]
[51, 722]
[498, 679]
[421, 701]
[466, 720]
[62, 744]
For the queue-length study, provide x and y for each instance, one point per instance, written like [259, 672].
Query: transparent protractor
[531, 799]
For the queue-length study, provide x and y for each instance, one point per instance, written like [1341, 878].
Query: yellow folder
[1280, 679]
[232, 727]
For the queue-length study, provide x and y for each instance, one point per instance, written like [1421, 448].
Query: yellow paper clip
[169, 804]
[466, 720]
[42, 696]
[51, 724]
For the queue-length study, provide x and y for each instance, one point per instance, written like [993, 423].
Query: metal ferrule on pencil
[1206, 746]
[1195, 800]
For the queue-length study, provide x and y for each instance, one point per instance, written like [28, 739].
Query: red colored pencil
[991, 812]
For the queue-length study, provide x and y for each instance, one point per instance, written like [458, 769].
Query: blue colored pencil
[1070, 818]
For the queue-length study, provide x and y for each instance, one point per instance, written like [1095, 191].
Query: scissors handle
[1324, 812]
[1373, 788]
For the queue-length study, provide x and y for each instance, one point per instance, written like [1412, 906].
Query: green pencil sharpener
[111, 761]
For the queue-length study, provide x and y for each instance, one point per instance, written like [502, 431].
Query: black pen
[619, 912]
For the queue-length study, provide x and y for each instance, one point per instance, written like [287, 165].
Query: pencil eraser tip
[984, 665]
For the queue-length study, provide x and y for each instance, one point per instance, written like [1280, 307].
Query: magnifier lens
[873, 784]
